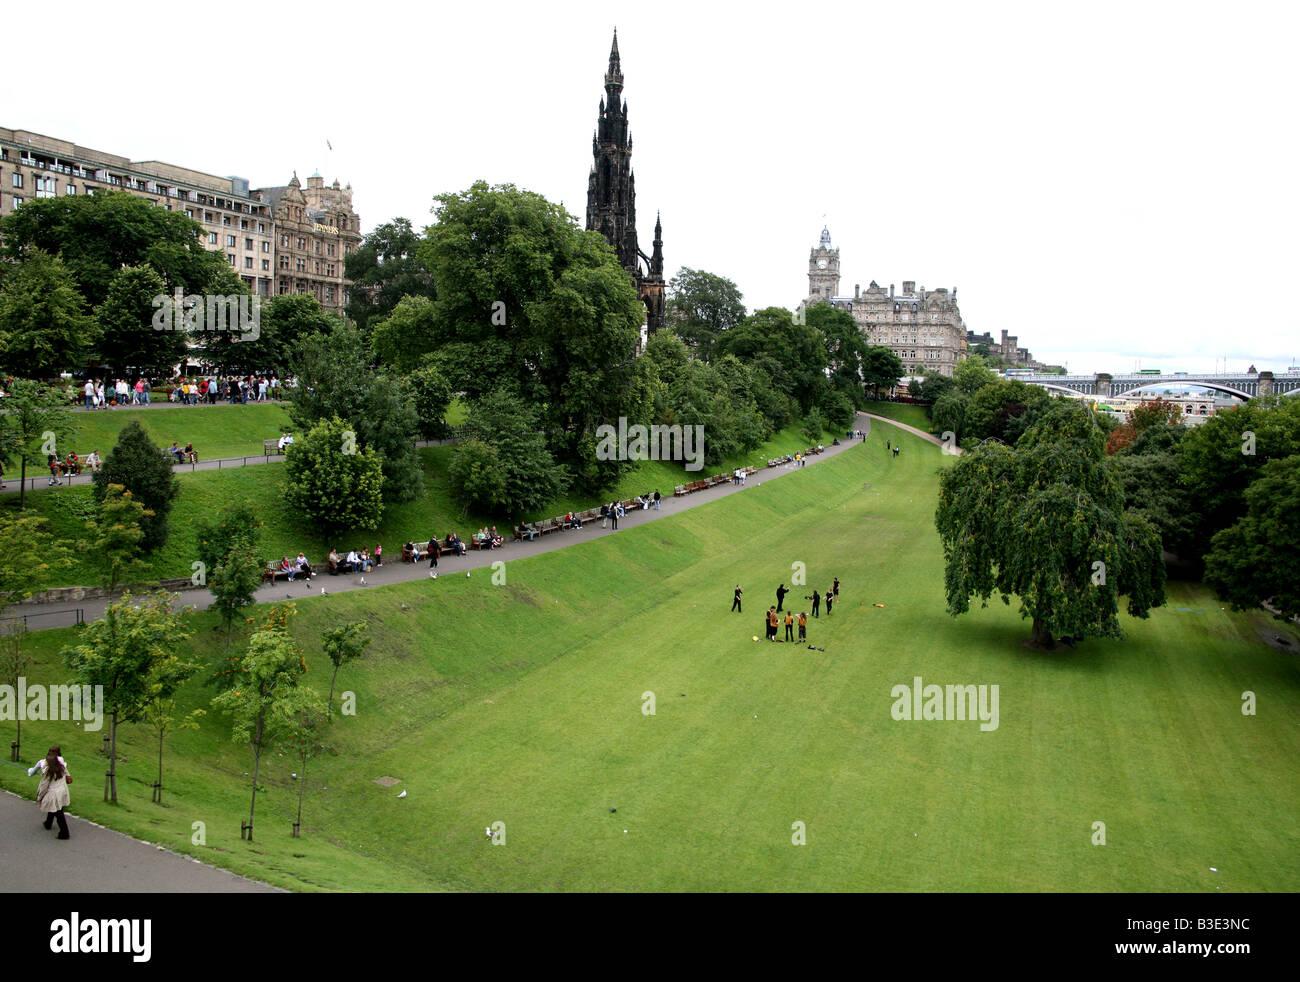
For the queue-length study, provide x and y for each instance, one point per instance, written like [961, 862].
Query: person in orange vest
[771, 623]
[803, 626]
[789, 625]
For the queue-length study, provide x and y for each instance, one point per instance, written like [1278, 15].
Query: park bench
[273, 572]
[271, 447]
[679, 490]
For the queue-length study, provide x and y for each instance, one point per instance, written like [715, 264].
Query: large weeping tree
[1044, 520]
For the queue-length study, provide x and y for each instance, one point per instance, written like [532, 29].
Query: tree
[1045, 520]
[1221, 457]
[846, 347]
[268, 699]
[44, 326]
[935, 385]
[335, 378]
[141, 467]
[992, 407]
[972, 374]
[1153, 488]
[881, 369]
[702, 307]
[1254, 561]
[1157, 412]
[431, 395]
[123, 652]
[34, 422]
[14, 664]
[127, 336]
[510, 427]
[402, 340]
[97, 235]
[813, 426]
[282, 323]
[215, 538]
[385, 269]
[342, 645]
[166, 675]
[477, 477]
[948, 414]
[793, 355]
[29, 555]
[118, 533]
[303, 741]
[529, 303]
[333, 482]
[235, 580]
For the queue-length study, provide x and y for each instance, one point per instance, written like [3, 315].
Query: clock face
[821, 263]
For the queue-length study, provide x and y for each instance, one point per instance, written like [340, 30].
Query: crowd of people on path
[199, 390]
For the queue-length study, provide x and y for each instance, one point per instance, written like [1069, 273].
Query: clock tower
[823, 271]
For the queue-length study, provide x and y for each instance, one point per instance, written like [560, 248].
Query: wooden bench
[273, 572]
[271, 448]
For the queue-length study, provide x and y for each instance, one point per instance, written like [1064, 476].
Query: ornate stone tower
[611, 196]
[823, 271]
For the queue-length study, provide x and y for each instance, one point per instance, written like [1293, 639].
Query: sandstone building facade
[279, 240]
[923, 327]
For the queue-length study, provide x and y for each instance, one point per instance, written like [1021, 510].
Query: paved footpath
[96, 859]
[396, 571]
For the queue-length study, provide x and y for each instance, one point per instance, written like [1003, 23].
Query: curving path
[395, 571]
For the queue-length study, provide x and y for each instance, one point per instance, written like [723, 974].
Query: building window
[225, 219]
[248, 244]
[230, 242]
[189, 212]
[212, 238]
[284, 262]
[18, 180]
[248, 262]
[230, 258]
[266, 246]
[266, 264]
[284, 242]
[70, 189]
[17, 201]
[261, 226]
[302, 243]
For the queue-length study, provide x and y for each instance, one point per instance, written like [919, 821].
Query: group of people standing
[123, 393]
[772, 617]
[239, 390]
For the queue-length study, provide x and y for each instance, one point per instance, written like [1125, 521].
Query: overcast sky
[1114, 183]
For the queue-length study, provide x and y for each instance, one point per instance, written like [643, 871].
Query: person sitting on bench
[191, 454]
[304, 566]
[287, 567]
[333, 562]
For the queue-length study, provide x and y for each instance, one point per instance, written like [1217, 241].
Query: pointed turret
[657, 257]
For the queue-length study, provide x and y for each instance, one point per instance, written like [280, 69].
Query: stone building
[1008, 349]
[289, 239]
[315, 228]
[611, 196]
[235, 222]
[923, 327]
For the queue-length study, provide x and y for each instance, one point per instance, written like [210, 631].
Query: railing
[74, 617]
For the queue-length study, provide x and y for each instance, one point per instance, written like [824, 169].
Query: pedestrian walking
[52, 793]
[735, 604]
[816, 599]
[434, 552]
[657, 500]
[781, 591]
[613, 515]
[835, 588]
[604, 515]
[830, 599]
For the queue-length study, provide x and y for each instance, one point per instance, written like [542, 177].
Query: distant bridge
[1103, 385]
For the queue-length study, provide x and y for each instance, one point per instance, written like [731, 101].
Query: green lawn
[222, 430]
[901, 411]
[522, 703]
[203, 493]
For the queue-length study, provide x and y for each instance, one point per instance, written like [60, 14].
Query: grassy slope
[522, 703]
[901, 411]
[216, 431]
[203, 493]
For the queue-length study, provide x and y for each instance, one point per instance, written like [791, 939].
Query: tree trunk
[257, 763]
[110, 785]
[329, 706]
[1040, 636]
[158, 790]
[22, 482]
[302, 785]
[18, 740]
